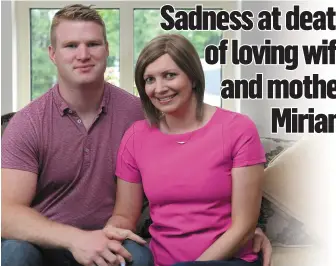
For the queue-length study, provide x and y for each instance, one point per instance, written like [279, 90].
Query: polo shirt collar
[64, 108]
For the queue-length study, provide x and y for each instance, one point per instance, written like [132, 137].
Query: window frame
[21, 37]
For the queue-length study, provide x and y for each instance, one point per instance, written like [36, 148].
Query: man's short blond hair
[76, 12]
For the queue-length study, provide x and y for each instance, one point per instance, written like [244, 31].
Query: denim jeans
[21, 253]
[232, 262]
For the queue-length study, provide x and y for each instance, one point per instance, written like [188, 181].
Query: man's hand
[262, 243]
[95, 248]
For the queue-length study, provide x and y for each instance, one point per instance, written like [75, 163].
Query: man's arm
[20, 221]
[262, 244]
[20, 164]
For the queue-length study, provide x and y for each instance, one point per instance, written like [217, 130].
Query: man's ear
[51, 51]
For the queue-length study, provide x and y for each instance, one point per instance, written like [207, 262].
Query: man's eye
[71, 46]
[93, 44]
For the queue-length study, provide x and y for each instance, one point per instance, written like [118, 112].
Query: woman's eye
[170, 75]
[149, 80]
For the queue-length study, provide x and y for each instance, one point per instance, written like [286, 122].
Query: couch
[287, 216]
[296, 209]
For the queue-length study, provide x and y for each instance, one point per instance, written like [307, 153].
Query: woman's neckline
[187, 133]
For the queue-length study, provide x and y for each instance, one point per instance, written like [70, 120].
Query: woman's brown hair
[185, 56]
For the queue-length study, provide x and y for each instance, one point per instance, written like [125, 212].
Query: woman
[200, 166]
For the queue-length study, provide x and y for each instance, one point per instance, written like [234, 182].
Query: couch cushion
[5, 120]
[295, 185]
[282, 228]
[308, 256]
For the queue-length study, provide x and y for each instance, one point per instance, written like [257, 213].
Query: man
[59, 155]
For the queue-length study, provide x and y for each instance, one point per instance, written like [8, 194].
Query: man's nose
[83, 52]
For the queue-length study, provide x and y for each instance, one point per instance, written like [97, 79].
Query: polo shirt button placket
[80, 122]
[87, 155]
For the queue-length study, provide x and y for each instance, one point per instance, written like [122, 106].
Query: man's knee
[142, 256]
[20, 253]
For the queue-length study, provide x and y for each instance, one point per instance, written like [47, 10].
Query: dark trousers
[21, 253]
[233, 262]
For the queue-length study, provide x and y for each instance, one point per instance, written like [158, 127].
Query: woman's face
[167, 86]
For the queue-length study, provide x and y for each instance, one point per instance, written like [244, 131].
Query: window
[130, 25]
[43, 71]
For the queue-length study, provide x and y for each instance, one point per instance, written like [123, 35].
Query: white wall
[6, 57]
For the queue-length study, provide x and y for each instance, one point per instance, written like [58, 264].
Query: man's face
[80, 52]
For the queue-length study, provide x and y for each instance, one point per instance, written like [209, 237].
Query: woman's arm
[128, 205]
[246, 201]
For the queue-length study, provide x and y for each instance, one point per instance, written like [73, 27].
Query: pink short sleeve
[247, 148]
[127, 168]
[19, 148]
